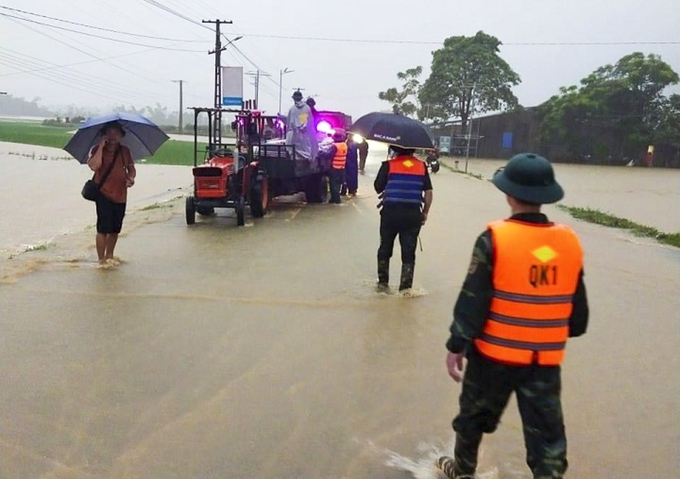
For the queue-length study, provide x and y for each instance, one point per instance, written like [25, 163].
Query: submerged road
[264, 351]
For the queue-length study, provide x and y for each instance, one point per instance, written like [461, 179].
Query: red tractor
[226, 179]
[260, 166]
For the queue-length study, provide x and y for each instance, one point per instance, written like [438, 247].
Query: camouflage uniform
[487, 384]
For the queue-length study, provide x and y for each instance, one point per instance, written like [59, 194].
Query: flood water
[222, 352]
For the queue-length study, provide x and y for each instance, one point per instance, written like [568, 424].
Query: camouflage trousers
[487, 387]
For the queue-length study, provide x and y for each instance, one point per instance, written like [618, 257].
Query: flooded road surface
[224, 352]
[649, 196]
[40, 194]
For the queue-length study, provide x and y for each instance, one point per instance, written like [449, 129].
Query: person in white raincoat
[301, 129]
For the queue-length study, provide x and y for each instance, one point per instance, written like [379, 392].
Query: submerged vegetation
[461, 172]
[606, 219]
[172, 152]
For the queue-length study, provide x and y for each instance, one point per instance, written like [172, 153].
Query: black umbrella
[396, 130]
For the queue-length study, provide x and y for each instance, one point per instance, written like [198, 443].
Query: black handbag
[91, 188]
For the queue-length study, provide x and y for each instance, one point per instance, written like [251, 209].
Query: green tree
[624, 100]
[468, 77]
[667, 126]
[404, 101]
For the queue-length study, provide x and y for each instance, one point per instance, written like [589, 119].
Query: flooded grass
[605, 219]
[171, 153]
[162, 204]
[461, 172]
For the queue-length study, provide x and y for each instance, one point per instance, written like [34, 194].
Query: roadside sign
[445, 144]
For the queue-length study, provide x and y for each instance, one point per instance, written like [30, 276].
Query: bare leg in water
[106, 243]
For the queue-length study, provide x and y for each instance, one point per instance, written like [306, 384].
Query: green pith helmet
[529, 178]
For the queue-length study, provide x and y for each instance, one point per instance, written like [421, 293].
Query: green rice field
[172, 152]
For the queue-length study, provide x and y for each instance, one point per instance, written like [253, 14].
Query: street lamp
[281, 73]
[229, 42]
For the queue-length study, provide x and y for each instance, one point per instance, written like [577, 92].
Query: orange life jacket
[535, 274]
[340, 156]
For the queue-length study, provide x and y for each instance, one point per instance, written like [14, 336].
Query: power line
[19, 62]
[419, 42]
[175, 13]
[67, 81]
[93, 35]
[254, 64]
[85, 52]
[56, 67]
[100, 28]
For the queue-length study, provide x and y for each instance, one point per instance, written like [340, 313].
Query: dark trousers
[109, 215]
[487, 387]
[337, 178]
[406, 223]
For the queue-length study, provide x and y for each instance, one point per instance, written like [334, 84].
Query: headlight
[324, 127]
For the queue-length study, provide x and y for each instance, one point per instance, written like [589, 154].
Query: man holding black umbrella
[405, 189]
[115, 173]
[403, 186]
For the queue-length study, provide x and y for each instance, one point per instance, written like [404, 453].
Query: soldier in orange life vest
[337, 173]
[523, 297]
[406, 197]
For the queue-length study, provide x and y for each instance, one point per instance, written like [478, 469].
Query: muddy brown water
[263, 351]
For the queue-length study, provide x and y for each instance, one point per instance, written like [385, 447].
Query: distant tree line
[618, 110]
[11, 105]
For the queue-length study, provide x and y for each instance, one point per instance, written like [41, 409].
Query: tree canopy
[626, 100]
[467, 77]
[404, 101]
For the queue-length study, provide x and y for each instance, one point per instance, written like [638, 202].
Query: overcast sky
[346, 75]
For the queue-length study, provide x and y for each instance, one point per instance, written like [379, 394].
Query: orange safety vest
[535, 274]
[340, 156]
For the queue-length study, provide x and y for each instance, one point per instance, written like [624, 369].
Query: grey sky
[345, 75]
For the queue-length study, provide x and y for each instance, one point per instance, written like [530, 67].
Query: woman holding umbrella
[108, 145]
[115, 173]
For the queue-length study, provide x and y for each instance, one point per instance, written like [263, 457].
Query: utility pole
[217, 124]
[472, 100]
[181, 108]
[281, 73]
[257, 74]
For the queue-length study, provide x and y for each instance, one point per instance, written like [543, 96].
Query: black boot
[407, 270]
[383, 273]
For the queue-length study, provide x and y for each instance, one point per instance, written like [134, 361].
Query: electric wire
[94, 27]
[117, 40]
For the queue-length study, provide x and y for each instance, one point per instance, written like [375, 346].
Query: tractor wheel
[316, 188]
[205, 210]
[241, 211]
[259, 197]
[190, 209]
